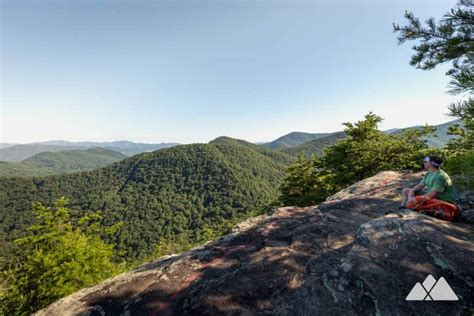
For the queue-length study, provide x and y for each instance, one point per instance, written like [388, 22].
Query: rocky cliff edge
[342, 257]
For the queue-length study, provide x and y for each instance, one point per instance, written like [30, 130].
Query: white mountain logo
[432, 290]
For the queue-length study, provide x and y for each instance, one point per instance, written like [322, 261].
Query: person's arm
[431, 194]
[417, 187]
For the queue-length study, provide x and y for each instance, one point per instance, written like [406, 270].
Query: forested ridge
[49, 163]
[174, 194]
[294, 139]
[315, 146]
[18, 152]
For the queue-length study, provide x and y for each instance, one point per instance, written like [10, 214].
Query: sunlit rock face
[342, 257]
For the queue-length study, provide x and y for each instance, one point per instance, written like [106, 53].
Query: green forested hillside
[273, 154]
[18, 152]
[6, 145]
[293, 139]
[177, 193]
[19, 169]
[48, 163]
[315, 146]
[23, 151]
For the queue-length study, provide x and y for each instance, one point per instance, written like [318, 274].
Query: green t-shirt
[441, 182]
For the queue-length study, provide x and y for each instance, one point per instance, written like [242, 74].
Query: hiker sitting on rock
[439, 201]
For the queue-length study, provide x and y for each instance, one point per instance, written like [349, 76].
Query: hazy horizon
[188, 72]
[158, 142]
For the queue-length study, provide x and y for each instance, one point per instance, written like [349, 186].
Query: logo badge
[432, 290]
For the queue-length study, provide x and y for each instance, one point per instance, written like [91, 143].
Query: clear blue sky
[172, 71]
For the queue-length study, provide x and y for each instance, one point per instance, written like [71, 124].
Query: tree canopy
[365, 151]
[56, 258]
[177, 193]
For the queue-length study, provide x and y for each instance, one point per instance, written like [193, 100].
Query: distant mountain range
[439, 139]
[49, 163]
[18, 152]
[308, 143]
[38, 159]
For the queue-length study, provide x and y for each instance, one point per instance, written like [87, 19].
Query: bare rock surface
[342, 257]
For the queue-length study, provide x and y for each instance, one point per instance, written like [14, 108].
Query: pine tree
[305, 184]
[55, 259]
[365, 151]
[449, 40]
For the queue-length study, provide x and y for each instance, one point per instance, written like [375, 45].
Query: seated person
[439, 201]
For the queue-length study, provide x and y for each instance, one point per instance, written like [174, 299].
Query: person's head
[432, 162]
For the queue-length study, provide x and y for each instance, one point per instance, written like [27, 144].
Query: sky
[190, 71]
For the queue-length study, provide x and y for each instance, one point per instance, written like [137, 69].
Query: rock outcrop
[342, 257]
